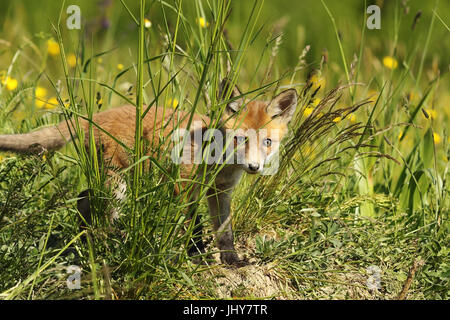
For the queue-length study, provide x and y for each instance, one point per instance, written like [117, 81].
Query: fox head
[257, 127]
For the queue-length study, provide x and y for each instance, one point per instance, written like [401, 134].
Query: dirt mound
[252, 281]
[270, 281]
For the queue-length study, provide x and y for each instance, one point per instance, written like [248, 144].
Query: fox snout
[253, 151]
[253, 167]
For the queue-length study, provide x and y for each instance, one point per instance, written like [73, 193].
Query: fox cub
[268, 120]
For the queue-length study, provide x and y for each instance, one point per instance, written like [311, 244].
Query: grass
[363, 177]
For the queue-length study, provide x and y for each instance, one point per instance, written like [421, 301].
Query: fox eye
[267, 142]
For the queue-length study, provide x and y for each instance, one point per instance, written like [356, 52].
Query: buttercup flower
[316, 102]
[52, 47]
[202, 22]
[120, 66]
[52, 103]
[72, 60]
[316, 82]
[40, 94]
[431, 113]
[308, 111]
[352, 117]
[10, 83]
[436, 138]
[172, 103]
[390, 62]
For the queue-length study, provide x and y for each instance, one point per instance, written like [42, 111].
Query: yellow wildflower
[316, 102]
[337, 119]
[202, 22]
[352, 117]
[316, 82]
[44, 157]
[120, 66]
[72, 60]
[40, 103]
[52, 103]
[10, 83]
[307, 112]
[172, 103]
[147, 23]
[66, 103]
[40, 94]
[390, 62]
[52, 47]
[432, 113]
[436, 138]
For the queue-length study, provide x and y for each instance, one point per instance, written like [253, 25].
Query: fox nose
[253, 166]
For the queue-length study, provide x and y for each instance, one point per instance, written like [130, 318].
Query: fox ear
[283, 105]
[224, 90]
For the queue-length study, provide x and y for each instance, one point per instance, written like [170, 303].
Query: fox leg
[84, 207]
[120, 187]
[196, 245]
[219, 203]
[120, 194]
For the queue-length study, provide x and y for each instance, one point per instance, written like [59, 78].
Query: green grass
[363, 178]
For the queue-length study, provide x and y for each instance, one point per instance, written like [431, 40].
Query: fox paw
[231, 258]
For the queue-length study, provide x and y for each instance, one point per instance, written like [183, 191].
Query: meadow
[358, 208]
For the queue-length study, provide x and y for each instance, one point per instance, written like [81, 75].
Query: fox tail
[50, 138]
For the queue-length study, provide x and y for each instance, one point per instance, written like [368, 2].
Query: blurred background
[407, 36]
[301, 22]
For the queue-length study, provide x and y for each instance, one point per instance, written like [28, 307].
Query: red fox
[269, 119]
